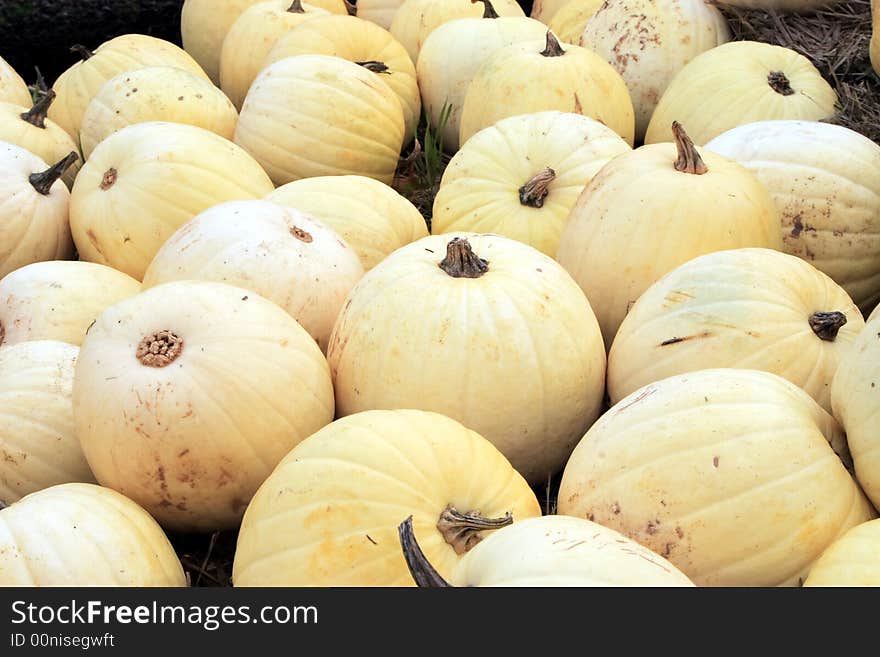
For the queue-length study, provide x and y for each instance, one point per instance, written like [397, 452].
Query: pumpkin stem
[779, 83]
[489, 10]
[351, 7]
[109, 179]
[159, 349]
[423, 573]
[301, 235]
[462, 530]
[826, 325]
[36, 115]
[82, 51]
[461, 261]
[535, 191]
[44, 180]
[374, 66]
[689, 160]
[553, 48]
[296, 7]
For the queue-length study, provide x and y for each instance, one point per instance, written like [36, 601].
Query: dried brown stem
[689, 160]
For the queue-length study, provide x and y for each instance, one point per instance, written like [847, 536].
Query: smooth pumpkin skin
[165, 174]
[193, 440]
[649, 41]
[156, 93]
[853, 400]
[328, 514]
[545, 10]
[280, 253]
[80, 534]
[852, 560]
[569, 22]
[561, 550]
[730, 474]
[479, 191]
[50, 143]
[640, 218]
[357, 40]
[316, 115]
[78, 84]
[451, 56]
[13, 89]
[58, 300]
[380, 12]
[744, 308]
[416, 19]
[516, 353]
[825, 182]
[370, 216]
[518, 79]
[37, 442]
[251, 38]
[33, 227]
[728, 86]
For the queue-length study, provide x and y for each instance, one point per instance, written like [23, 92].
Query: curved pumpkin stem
[82, 51]
[826, 325]
[535, 191]
[461, 261]
[423, 573]
[374, 66]
[553, 49]
[44, 180]
[351, 7]
[689, 160]
[36, 115]
[462, 530]
[489, 10]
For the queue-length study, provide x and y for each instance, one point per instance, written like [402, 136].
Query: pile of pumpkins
[217, 312]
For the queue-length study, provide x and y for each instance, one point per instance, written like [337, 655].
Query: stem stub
[535, 191]
[779, 83]
[159, 349]
[36, 115]
[553, 48]
[689, 160]
[296, 7]
[461, 261]
[462, 530]
[374, 66]
[826, 325]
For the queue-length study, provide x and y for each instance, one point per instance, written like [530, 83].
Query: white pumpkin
[545, 10]
[380, 12]
[13, 89]
[569, 22]
[852, 560]
[203, 26]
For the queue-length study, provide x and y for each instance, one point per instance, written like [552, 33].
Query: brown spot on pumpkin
[615, 508]
[301, 235]
[639, 397]
[667, 550]
[578, 108]
[679, 532]
[370, 539]
[2, 332]
[652, 527]
[183, 453]
[94, 240]
[797, 226]
[109, 178]
[676, 340]
[715, 461]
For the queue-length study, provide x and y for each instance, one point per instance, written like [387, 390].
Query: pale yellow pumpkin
[451, 56]
[58, 300]
[651, 210]
[361, 42]
[38, 446]
[536, 76]
[521, 177]
[545, 10]
[203, 26]
[78, 84]
[380, 12]
[569, 22]
[251, 38]
[316, 115]
[416, 19]
[145, 181]
[553, 551]
[483, 329]
[825, 182]
[737, 83]
[156, 93]
[748, 308]
[370, 216]
[13, 88]
[84, 535]
[29, 128]
[736, 476]
[852, 560]
[649, 41]
[187, 395]
[34, 209]
[278, 252]
[328, 514]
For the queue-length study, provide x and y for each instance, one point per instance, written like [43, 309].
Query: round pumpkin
[363, 43]
[545, 10]
[38, 446]
[278, 252]
[451, 56]
[12, 88]
[371, 217]
[749, 308]
[156, 93]
[737, 83]
[145, 181]
[187, 395]
[78, 84]
[380, 12]
[416, 19]
[328, 514]
[84, 535]
[521, 177]
[316, 115]
[58, 300]
[548, 551]
[651, 210]
[735, 476]
[852, 560]
[649, 41]
[251, 38]
[536, 76]
[34, 212]
[203, 26]
[505, 342]
[569, 22]
[29, 128]
[825, 182]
